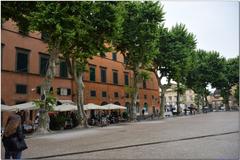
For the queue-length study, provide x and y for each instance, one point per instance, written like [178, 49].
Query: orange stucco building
[24, 59]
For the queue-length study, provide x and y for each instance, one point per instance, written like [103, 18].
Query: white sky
[215, 23]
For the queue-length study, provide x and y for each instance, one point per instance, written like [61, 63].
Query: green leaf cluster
[139, 37]
[206, 67]
[50, 102]
[18, 12]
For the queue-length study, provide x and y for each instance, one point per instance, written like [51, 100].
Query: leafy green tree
[199, 100]
[49, 103]
[53, 19]
[229, 78]
[182, 44]
[94, 24]
[206, 67]
[162, 64]
[139, 40]
[38, 16]
[64, 22]
[18, 12]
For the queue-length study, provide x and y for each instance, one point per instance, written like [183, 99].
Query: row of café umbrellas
[65, 106]
[90, 106]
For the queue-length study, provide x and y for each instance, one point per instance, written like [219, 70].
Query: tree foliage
[93, 25]
[206, 67]
[182, 44]
[139, 39]
[18, 12]
[229, 78]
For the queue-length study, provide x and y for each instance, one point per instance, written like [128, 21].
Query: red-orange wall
[9, 77]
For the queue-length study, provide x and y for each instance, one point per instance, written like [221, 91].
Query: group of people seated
[28, 125]
[103, 118]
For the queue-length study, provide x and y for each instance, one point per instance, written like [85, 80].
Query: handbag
[13, 143]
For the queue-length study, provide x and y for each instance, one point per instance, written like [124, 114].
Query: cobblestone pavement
[204, 136]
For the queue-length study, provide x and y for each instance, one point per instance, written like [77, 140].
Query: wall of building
[12, 40]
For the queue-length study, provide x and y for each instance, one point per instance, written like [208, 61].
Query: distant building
[216, 101]
[186, 99]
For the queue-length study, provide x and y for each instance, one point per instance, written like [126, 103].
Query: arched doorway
[145, 107]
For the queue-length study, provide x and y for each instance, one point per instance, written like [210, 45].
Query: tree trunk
[162, 102]
[206, 100]
[227, 105]
[80, 100]
[43, 116]
[178, 99]
[163, 91]
[133, 113]
[226, 101]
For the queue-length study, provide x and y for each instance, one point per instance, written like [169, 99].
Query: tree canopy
[139, 39]
[229, 77]
[18, 12]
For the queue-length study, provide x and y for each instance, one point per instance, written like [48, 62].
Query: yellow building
[186, 99]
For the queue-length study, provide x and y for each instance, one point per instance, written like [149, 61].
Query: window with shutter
[21, 88]
[92, 73]
[68, 91]
[44, 59]
[115, 77]
[22, 60]
[115, 94]
[38, 89]
[63, 92]
[114, 56]
[126, 79]
[93, 93]
[104, 94]
[58, 91]
[63, 69]
[103, 75]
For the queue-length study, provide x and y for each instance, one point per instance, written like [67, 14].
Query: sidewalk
[156, 118]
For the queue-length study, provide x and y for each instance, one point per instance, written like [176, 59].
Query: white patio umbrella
[8, 108]
[91, 106]
[66, 101]
[65, 107]
[26, 106]
[113, 106]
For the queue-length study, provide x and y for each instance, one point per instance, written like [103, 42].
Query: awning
[8, 108]
[113, 106]
[71, 107]
[26, 106]
[91, 106]
[66, 101]
[65, 107]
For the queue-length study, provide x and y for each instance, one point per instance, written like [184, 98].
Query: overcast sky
[215, 23]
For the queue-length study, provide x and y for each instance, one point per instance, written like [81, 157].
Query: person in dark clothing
[13, 138]
[74, 119]
[143, 111]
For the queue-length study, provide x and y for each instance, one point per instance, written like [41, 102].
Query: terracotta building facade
[24, 60]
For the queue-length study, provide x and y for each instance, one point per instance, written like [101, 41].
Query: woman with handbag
[13, 138]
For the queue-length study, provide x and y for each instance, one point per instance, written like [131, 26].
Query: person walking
[143, 111]
[13, 138]
[158, 115]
